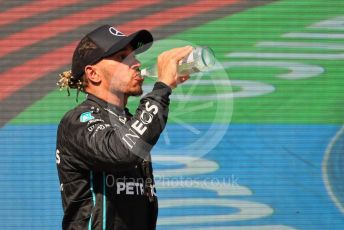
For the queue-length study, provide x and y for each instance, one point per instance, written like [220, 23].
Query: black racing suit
[103, 162]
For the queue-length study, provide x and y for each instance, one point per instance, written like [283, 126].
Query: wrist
[161, 85]
[167, 83]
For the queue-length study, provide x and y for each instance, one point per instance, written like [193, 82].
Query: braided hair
[66, 79]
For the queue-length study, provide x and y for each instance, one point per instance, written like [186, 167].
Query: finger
[183, 52]
[178, 53]
[185, 78]
[180, 49]
[172, 52]
[182, 79]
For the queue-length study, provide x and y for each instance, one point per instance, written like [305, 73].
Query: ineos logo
[115, 32]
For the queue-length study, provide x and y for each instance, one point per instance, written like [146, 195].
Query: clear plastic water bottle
[199, 60]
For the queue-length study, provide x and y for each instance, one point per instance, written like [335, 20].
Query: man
[103, 151]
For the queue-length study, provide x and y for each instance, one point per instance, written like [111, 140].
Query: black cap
[108, 40]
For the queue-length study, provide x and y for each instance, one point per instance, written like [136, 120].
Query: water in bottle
[199, 60]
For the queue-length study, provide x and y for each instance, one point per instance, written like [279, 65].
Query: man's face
[120, 73]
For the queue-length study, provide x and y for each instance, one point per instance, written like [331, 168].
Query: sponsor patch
[86, 116]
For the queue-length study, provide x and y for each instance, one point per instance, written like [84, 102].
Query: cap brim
[141, 41]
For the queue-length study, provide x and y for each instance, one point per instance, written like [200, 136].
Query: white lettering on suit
[129, 188]
[140, 126]
[129, 138]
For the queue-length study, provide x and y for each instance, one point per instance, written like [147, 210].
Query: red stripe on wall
[31, 9]
[176, 14]
[20, 76]
[50, 29]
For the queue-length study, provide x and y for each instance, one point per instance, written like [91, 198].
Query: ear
[92, 74]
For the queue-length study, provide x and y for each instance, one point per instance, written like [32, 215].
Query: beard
[129, 91]
[135, 90]
[136, 93]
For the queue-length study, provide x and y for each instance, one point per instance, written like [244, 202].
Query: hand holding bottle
[198, 60]
[167, 66]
